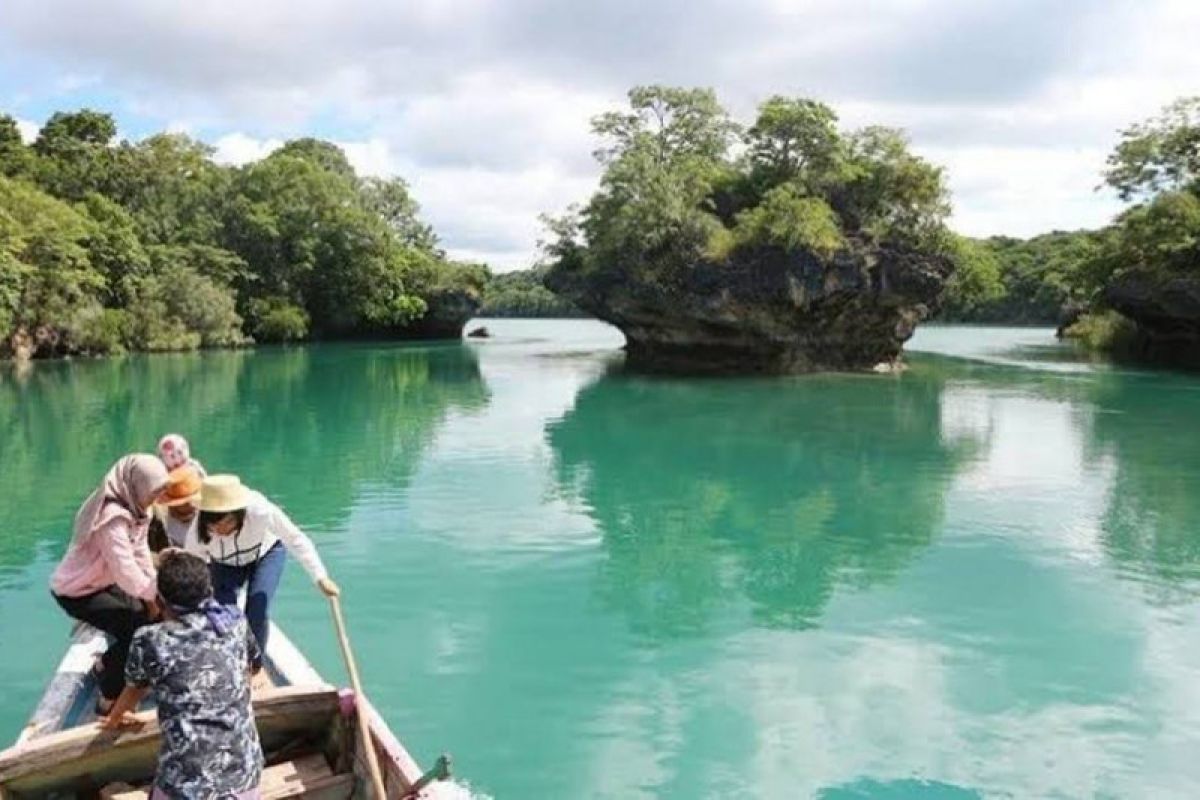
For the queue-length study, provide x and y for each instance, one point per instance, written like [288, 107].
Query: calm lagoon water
[980, 578]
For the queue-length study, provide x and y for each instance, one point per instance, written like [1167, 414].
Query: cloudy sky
[483, 105]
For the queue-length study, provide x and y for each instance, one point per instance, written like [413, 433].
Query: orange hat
[183, 486]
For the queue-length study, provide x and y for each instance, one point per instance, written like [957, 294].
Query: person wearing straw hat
[246, 539]
[175, 512]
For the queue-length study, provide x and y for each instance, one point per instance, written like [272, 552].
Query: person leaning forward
[107, 576]
[246, 538]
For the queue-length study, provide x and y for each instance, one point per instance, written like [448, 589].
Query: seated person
[197, 663]
[106, 578]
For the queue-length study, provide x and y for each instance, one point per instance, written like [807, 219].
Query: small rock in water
[480, 333]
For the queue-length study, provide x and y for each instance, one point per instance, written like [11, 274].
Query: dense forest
[1144, 265]
[521, 294]
[108, 246]
[1035, 281]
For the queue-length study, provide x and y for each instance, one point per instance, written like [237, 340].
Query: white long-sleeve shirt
[265, 524]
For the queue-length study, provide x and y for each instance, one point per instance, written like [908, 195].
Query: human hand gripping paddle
[364, 730]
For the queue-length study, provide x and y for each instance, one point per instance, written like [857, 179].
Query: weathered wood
[123, 791]
[375, 773]
[300, 716]
[308, 777]
[93, 756]
[299, 778]
[333, 787]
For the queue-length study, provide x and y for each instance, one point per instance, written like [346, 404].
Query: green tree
[15, 156]
[788, 219]
[1159, 154]
[274, 319]
[794, 139]
[48, 285]
[888, 193]
[521, 294]
[171, 186]
[1162, 236]
[976, 281]
[391, 199]
[667, 124]
[671, 196]
[315, 243]
[114, 248]
[326, 155]
[107, 246]
[76, 153]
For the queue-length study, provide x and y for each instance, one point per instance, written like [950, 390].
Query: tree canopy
[684, 183]
[110, 245]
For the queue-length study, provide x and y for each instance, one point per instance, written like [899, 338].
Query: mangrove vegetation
[108, 246]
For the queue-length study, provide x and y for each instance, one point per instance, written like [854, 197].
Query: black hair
[156, 536]
[183, 579]
[209, 517]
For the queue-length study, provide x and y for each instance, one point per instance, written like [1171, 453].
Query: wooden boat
[309, 732]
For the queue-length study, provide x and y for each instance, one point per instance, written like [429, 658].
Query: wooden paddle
[364, 730]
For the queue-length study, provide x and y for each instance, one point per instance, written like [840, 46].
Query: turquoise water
[979, 578]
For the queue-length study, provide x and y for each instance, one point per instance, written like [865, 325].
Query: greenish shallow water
[980, 578]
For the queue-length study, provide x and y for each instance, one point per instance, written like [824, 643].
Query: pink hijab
[130, 485]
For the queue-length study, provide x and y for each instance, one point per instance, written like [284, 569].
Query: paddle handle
[364, 730]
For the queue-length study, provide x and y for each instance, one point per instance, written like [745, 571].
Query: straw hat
[183, 488]
[223, 493]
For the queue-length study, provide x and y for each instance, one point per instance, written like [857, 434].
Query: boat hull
[63, 753]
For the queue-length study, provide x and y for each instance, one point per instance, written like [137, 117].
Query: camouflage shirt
[210, 748]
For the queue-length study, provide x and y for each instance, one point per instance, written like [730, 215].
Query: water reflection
[309, 425]
[1148, 425]
[778, 492]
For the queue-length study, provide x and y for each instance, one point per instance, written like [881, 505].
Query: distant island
[786, 244]
[791, 245]
[521, 293]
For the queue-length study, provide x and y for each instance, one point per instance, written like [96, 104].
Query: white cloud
[238, 148]
[372, 157]
[29, 130]
[72, 82]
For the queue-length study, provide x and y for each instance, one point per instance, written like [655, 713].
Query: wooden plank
[307, 777]
[123, 791]
[281, 780]
[100, 757]
[333, 787]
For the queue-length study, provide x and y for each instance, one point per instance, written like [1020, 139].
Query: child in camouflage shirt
[197, 663]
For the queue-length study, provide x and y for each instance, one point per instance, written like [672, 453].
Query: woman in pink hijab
[107, 578]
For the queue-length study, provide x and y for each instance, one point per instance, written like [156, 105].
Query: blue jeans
[261, 579]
